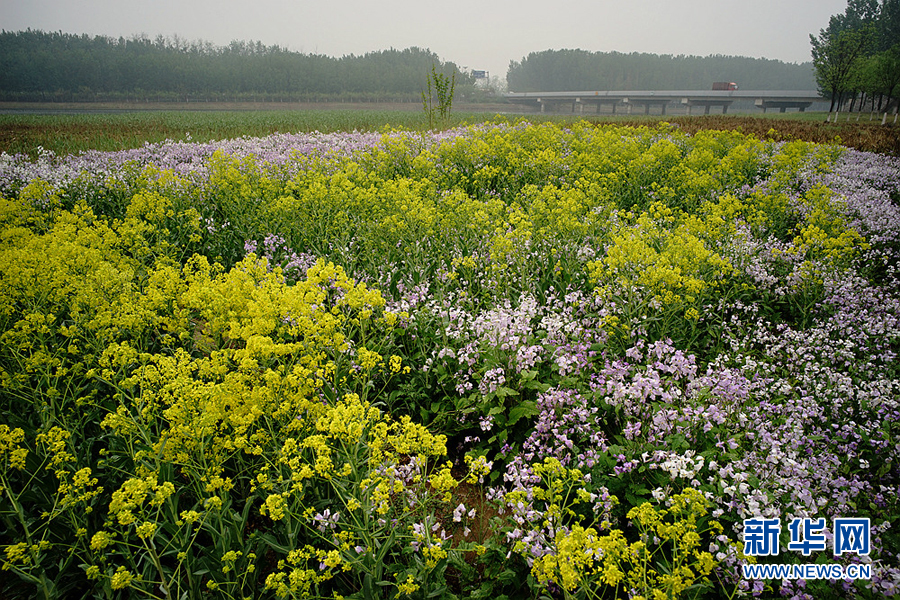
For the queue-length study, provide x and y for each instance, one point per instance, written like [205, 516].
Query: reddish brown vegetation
[869, 136]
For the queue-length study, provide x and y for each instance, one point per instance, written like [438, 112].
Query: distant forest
[41, 66]
[56, 66]
[570, 70]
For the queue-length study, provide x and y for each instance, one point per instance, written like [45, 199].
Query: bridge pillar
[706, 103]
[647, 103]
[782, 105]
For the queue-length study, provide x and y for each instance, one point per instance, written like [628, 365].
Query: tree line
[857, 57]
[56, 66]
[569, 70]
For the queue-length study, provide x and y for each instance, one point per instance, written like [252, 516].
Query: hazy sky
[477, 34]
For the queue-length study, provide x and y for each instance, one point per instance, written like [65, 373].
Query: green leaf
[507, 576]
[524, 409]
[537, 386]
[269, 539]
[368, 590]
[503, 392]
[499, 437]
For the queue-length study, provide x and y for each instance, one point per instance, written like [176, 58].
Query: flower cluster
[315, 365]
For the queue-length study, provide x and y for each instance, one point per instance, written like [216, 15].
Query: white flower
[458, 513]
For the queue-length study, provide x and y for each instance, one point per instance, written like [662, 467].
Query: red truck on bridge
[725, 86]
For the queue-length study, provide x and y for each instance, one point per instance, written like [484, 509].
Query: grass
[73, 133]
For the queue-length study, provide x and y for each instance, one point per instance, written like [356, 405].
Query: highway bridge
[764, 99]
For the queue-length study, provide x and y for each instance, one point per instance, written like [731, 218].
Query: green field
[70, 133]
[73, 133]
[518, 359]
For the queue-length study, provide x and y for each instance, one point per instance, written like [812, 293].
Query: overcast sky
[477, 34]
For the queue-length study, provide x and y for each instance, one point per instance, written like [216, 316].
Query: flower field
[499, 361]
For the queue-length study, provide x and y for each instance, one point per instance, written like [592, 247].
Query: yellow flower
[121, 579]
[274, 507]
[612, 575]
[101, 540]
[443, 481]
[16, 551]
[17, 458]
[332, 559]
[190, 516]
[231, 555]
[407, 588]
[146, 529]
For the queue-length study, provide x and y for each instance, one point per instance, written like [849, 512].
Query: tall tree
[883, 74]
[838, 53]
[888, 24]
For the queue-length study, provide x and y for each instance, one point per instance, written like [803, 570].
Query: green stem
[40, 582]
